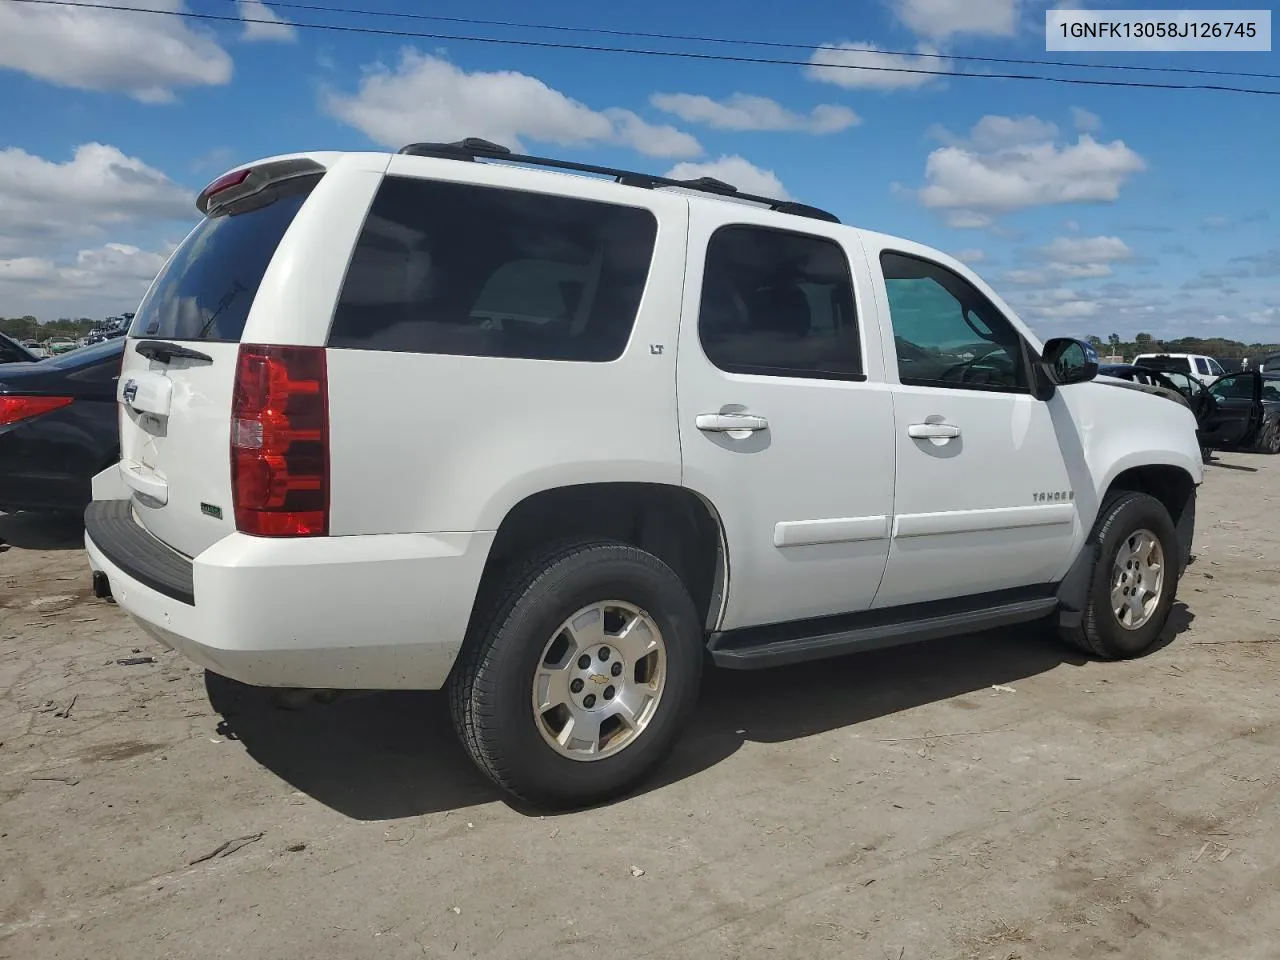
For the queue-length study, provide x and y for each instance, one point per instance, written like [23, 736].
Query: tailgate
[179, 369]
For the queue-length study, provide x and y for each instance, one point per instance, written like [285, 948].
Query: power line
[744, 42]
[637, 51]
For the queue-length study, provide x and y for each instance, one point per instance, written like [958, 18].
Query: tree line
[1219, 347]
[29, 328]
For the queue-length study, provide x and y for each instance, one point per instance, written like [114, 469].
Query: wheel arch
[675, 524]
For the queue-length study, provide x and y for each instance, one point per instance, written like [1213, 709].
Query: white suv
[446, 419]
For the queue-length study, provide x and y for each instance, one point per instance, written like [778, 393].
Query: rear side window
[206, 289]
[465, 270]
[1202, 365]
[780, 304]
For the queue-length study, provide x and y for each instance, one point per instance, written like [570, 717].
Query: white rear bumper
[372, 612]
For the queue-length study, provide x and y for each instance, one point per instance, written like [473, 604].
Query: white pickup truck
[550, 435]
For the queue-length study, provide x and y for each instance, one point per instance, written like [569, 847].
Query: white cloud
[993, 133]
[877, 70]
[968, 220]
[1010, 163]
[1085, 121]
[971, 255]
[428, 98]
[96, 282]
[1086, 250]
[745, 112]
[1055, 272]
[144, 56]
[44, 202]
[262, 24]
[944, 18]
[746, 176]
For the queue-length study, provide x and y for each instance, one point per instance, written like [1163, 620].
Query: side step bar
[774, 645]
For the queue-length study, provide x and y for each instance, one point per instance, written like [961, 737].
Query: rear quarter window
[465, 270]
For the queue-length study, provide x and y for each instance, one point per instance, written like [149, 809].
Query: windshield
[205, 290]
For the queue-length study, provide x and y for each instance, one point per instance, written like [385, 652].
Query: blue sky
[1092, 209]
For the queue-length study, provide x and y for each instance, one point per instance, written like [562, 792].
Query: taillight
[280, 442]
[13, 409]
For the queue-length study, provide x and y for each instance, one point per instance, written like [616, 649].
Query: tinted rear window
[206, 289]
[1165, 364]
[458, 269]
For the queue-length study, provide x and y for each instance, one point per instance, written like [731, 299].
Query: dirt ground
[993, 796]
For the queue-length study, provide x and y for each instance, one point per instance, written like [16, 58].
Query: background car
[36, 349]
[11, 351]
[1246, 412]
[58, 427]
[1205, 369]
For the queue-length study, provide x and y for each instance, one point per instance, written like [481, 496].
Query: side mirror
[1066, 361]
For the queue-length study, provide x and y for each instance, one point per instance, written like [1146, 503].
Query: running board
[774, 645]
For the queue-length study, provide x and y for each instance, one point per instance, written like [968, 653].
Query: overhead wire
[751, 42]
[637, 51]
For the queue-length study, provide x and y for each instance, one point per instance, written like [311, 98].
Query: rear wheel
[581, 667]
[1134, 579]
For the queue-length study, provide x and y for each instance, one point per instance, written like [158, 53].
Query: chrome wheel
[1137, 579]
[599, 680]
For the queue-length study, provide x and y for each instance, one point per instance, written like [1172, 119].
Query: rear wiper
[164, 351]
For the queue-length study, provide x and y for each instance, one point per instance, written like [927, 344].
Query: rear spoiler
[248, 181]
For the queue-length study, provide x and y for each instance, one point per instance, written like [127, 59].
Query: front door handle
[730, 423]
[932, 431]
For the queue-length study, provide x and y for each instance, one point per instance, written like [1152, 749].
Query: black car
[1238, 411]
[58, 427]
[11, 351]
[1247, 411]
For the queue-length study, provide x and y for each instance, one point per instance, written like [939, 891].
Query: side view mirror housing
[1065, 361]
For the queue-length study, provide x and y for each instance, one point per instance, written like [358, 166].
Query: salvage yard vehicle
[11, 351]
[1246, 412]
[59, 426]
[549, 435]
[1205, 369]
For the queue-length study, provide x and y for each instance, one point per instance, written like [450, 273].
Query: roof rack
[474, 148]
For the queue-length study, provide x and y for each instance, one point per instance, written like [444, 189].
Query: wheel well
[672, 523]
[1172, 486]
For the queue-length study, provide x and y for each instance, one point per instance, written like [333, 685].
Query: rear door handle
[730, 423]
[932, 431]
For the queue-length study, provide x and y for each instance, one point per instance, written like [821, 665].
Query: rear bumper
[372, 612]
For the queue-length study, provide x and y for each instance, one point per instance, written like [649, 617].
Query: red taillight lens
[226, 182]
[280, 442]
[13, 409]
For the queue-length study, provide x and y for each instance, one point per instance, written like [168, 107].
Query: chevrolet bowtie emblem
[596, 678]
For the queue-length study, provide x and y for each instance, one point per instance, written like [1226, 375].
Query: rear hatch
[180, 363]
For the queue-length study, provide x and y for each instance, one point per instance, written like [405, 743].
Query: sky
[1091, 209]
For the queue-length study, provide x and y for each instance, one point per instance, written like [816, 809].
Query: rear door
[786, 424]
[1237, 410]
[226, 281]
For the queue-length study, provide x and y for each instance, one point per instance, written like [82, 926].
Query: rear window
[464, 270]
[1165, 364]
[205, 290]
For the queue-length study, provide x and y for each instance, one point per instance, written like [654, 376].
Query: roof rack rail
[474, 148]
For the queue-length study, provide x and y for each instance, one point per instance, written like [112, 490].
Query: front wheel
[580, 669]
[1269, 438]
[1134, 579]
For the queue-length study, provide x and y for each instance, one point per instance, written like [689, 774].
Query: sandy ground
[993, 796]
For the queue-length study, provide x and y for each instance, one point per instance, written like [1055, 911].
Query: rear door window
[460, 269]
[206, 289]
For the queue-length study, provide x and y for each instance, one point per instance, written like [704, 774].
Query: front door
[786, 424]
[984, 501]
[1236, 413]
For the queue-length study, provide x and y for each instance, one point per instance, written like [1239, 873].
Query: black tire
[1100, 632]
[517, 613]
[1269, 438]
